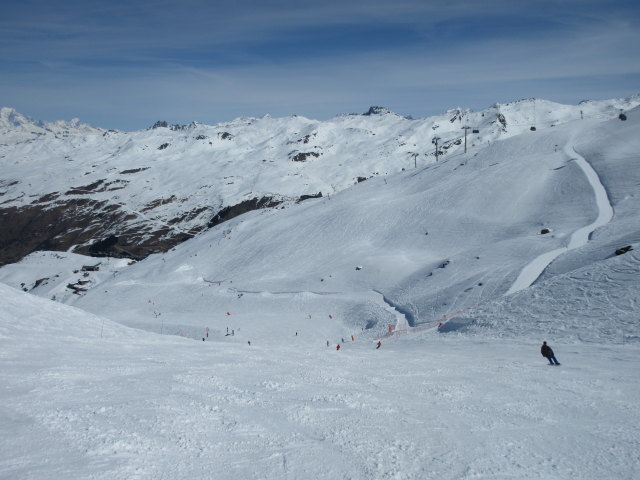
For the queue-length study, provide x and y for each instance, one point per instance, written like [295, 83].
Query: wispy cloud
[124, 64]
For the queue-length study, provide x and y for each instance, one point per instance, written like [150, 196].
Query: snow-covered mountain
[446, 238]
[460, 268]
[17, 128]
[92, 191]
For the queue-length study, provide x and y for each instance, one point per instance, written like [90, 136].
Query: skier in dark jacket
[546, 352]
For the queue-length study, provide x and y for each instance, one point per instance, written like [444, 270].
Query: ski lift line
[465, 128]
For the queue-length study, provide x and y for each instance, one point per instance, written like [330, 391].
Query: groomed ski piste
[118, 383]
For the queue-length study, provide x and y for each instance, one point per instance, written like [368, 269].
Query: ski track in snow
[82, 397]
[404, 318]
[153, 407]
[579, 238]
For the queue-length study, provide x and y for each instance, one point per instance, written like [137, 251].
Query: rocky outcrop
[76, 224]
[375, 110]
[307, 197]
[227, 213]
[302, 156]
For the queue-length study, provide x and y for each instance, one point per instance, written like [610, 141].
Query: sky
[125, 64]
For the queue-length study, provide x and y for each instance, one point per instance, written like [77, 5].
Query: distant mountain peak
[9, 117]
[15, 126]
[376, 110]
[175, 127]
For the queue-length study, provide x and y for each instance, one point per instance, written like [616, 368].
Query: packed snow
[219, 358]
[85, 398]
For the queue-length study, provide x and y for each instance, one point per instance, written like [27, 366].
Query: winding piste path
[580, 237]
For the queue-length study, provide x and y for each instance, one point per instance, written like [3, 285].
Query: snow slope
[430, 242]
[129, 404]
[416, 247]
[172, 180]
[272, 292]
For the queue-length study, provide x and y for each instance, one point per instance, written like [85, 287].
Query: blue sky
[125, 64]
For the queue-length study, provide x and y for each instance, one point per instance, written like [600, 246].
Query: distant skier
[338, 347]
[546, 352]
[327, 343]
[249, 342]
[379, 344]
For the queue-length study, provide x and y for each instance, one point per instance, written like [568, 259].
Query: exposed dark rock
[78, 290]
[134, 170]
[97, 186]
[78, 223]
[163, 146]
[49, 197]
[227, 213]
[623, 250]
[7, 183]
[457, 115]
[544, 231]
[306, 138]
[361, 179]
[622, 117]
[225, 136]
[103, 247]
[157, 203]
[93, 187]
[188, 216]
[307, 197]
[93, 268]
[201, 137]
[502, 121]
[40, 282]
[375, 110]
[302, 156]
[175, 128]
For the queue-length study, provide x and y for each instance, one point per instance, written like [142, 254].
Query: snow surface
[80, 401]
[579, 238]
[86, 396]
[176, 179]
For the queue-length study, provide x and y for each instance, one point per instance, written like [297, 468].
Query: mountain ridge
[409, 248]
[152, 189]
